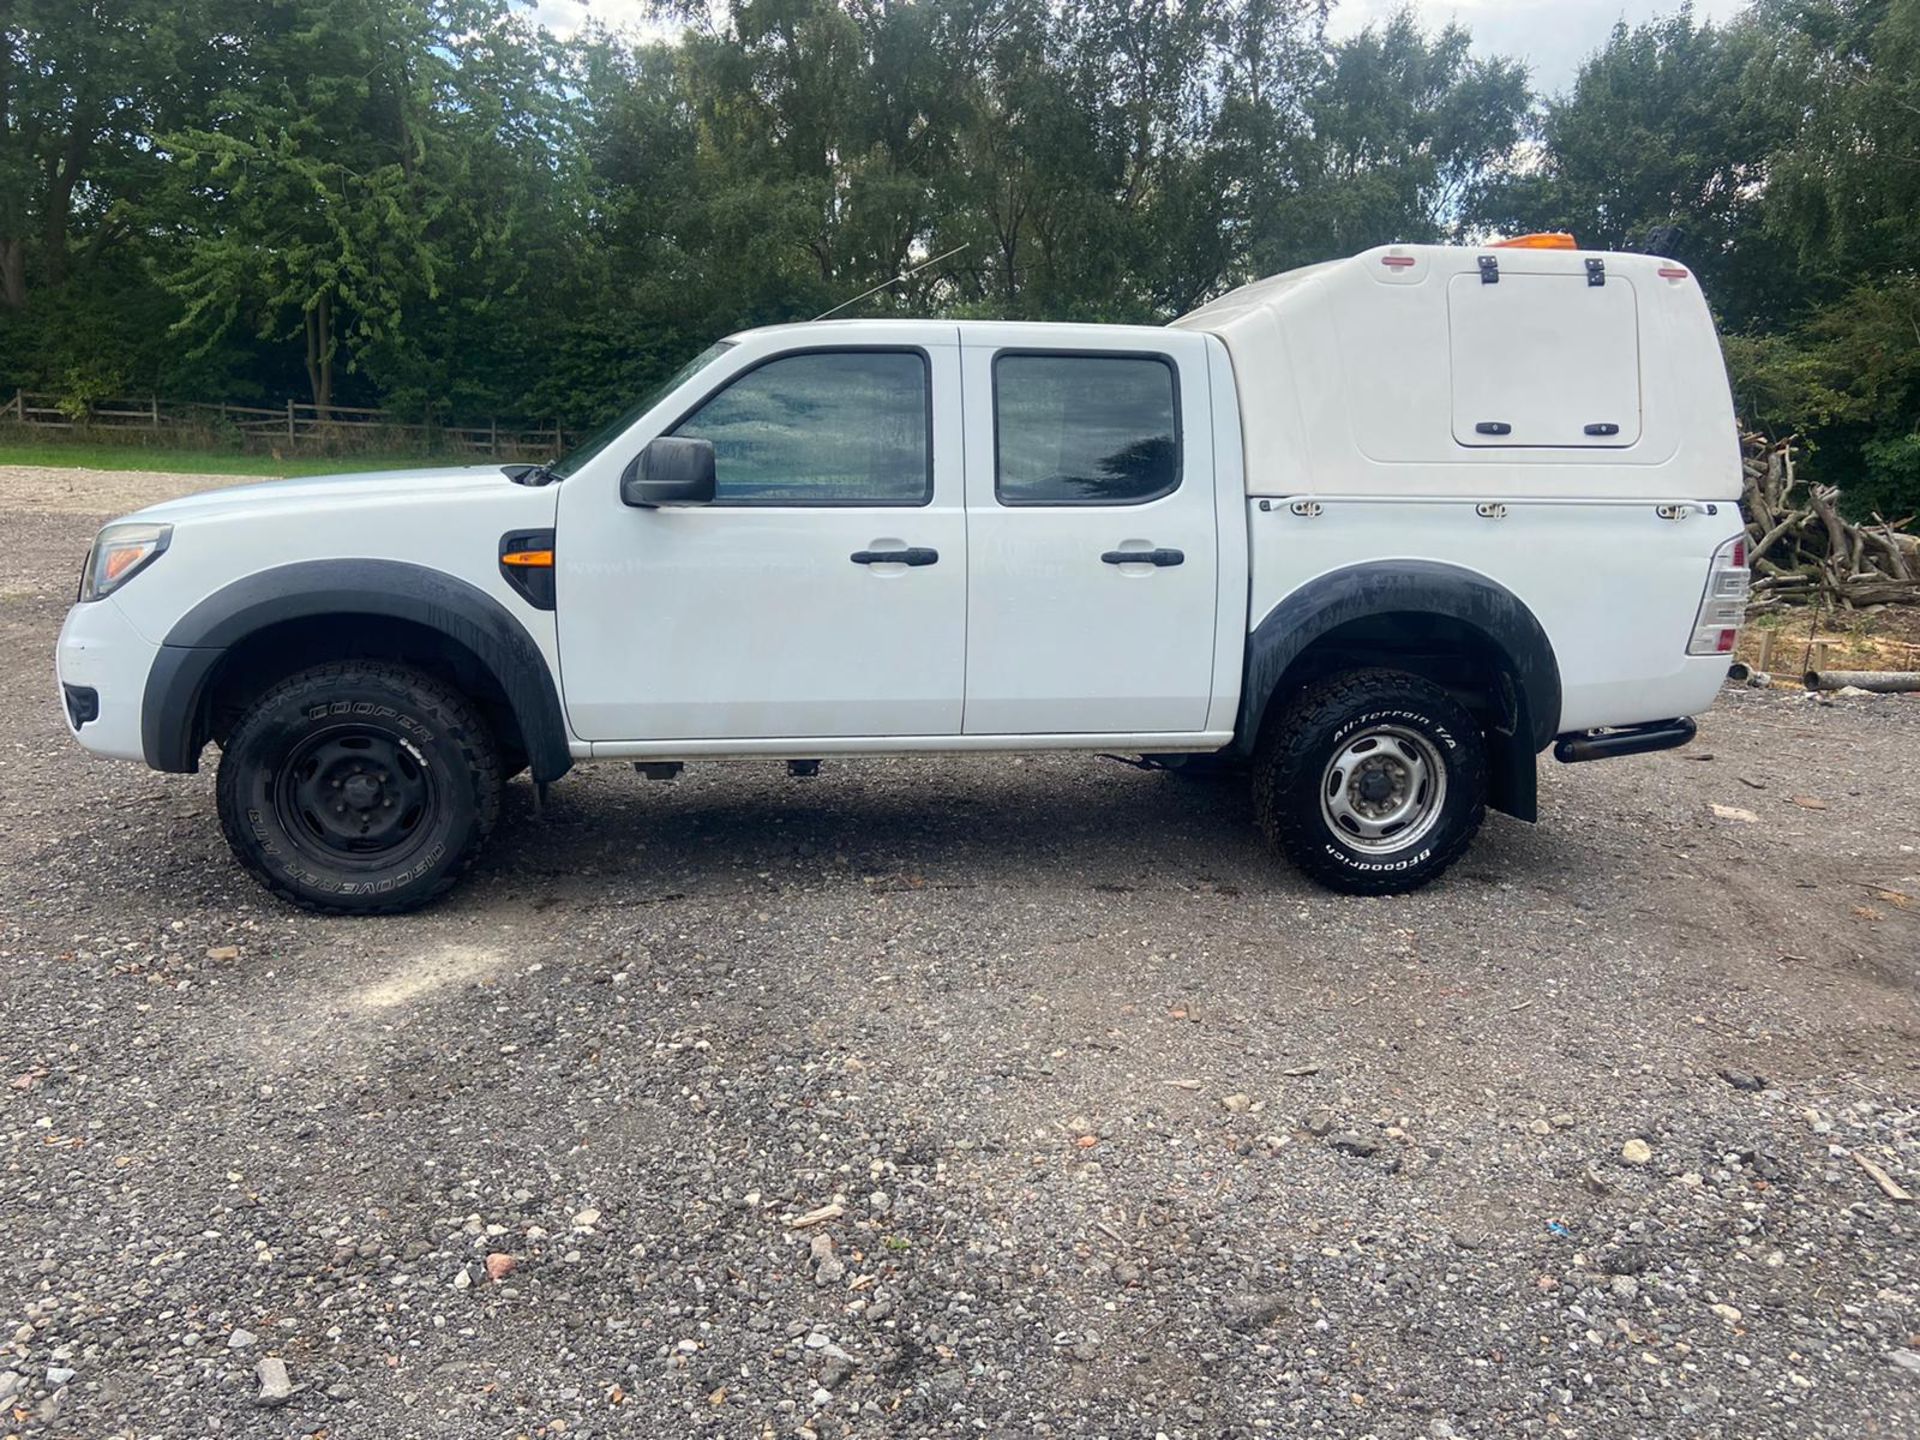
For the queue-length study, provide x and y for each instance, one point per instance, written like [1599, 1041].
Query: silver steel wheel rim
[1383, 790]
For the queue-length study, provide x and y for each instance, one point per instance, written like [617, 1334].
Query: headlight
[119, 553]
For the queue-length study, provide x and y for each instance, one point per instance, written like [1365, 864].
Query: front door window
[845, 427]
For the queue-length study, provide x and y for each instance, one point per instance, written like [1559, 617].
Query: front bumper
[101, 651]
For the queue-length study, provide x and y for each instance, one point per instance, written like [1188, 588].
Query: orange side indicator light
[1540, 240]
[529, 559]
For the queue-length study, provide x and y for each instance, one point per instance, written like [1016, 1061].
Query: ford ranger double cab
[1378, 532]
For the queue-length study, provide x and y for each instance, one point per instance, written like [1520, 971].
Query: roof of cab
[968, 331]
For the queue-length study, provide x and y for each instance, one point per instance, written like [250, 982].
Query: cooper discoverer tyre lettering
[359, 787]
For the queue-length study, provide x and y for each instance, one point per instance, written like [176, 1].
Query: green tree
[1843, 201]
[1664, 141]
[1410, 128]
[434, 205]
[504, 159]
[309, 190]
[82, 84]
[1845, 189]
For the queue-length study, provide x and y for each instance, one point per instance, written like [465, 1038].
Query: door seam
[966, 530]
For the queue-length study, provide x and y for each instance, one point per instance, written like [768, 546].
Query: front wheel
[358, 788]
[1372, 782]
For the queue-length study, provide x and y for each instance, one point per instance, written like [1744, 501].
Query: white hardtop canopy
[1444, 371]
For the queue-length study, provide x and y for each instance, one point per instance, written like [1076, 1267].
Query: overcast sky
[1552, 36]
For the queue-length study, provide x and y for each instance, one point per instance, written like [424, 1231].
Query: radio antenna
[903, 275]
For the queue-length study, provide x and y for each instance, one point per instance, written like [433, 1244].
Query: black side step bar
[1631, 740]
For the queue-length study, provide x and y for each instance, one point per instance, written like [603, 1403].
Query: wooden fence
[295, 427]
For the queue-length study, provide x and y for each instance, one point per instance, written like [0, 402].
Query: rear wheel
[359, 787]
[1372, 782]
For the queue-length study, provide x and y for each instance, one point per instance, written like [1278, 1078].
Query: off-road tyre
[409, 773]
[1326, 721]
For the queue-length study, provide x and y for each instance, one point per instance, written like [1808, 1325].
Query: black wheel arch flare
[1529, 673]
[172, 723]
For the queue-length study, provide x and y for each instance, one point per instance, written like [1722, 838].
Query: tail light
[1724, 605]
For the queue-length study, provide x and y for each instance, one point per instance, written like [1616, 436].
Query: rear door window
[1084, 429]
[1544, 360]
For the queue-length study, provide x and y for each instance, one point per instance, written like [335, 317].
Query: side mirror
[672, 470]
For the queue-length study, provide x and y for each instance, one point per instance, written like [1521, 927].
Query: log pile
[1802, 549]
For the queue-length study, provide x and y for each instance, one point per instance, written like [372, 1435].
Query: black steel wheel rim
[355, 794]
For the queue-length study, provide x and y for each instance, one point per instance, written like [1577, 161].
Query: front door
[821, 594]
[1091, 530]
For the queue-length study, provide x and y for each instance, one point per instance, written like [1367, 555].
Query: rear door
[1092, 537]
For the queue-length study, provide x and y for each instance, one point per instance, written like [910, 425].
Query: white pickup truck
[1380, 530]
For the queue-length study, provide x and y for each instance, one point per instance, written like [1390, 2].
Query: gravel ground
[973, 1097]
[97, 494]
